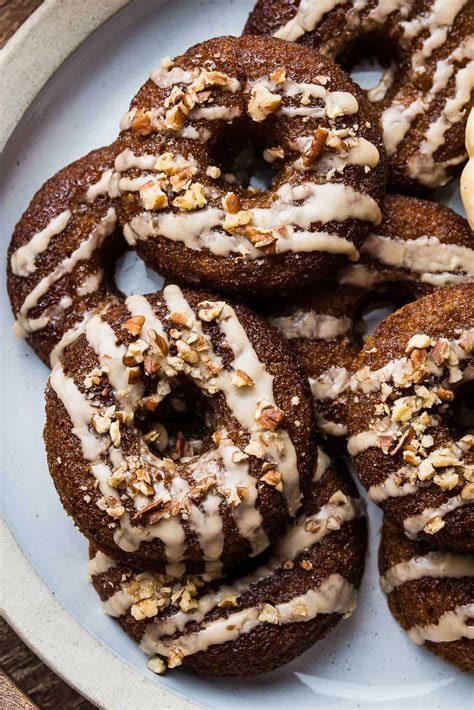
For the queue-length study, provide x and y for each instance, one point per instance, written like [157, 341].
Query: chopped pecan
[269, 416]
[316, 146]
[142, 124]
[134, 325]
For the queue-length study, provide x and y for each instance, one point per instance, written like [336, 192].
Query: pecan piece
[316, 146]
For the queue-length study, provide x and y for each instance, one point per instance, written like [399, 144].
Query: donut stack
[184, 427]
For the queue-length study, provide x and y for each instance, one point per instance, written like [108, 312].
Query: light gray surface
[368, 661]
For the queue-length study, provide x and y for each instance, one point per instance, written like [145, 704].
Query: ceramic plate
[367, 661]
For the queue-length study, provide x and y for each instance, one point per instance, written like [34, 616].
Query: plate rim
[27, 62]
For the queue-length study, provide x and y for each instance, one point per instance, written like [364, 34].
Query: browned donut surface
[181, 201]
[418, 246]
[60, 250]
[262, 619]
[321, 329]
[406, 441]
[179, 431]
[425, 91]
[430, 593]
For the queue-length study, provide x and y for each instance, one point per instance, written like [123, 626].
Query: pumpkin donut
[60, 253]
[321, 328]
[430, 593]
[407, 446]
[253, 622]
[424, 94]
[137, 486]
[181, 204]
[418, 246]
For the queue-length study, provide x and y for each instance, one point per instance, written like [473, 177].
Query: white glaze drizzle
[334, 595]
[83, 253]
[414, 524]
[319, 204]
[99, 564]
[426, 256]
[68, 337]
[437, 565]
[330, 384]
[312, 325]
[329, 427]
[24, 258]
[451, 626]
[106, 185]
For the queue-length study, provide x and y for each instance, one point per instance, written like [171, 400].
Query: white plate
[368, 660]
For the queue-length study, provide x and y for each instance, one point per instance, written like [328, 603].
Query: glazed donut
[60, 252]
[427, 49]
[467, 177]
[256, 622]
[430, 593]
[135, 485]
[191, 220]
[418, 246]
[407, 447]
[321, 328]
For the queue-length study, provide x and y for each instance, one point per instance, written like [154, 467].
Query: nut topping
[316, 147]
[134, 325]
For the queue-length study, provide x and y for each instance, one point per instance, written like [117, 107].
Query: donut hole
[368, 58]
[463, 407]
[181, 426]
[131, 276]
[238, 151]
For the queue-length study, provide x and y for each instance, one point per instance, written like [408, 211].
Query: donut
[60, 253]
[418, 246]
[406, 438]
[253, 622]
[427, 51]
[151, 485]
[430, 593]
[321, 328]
[181, 203]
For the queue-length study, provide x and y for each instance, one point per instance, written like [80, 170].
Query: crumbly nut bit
[262, 103]
[231, 203]
[272, 154]
[273, 478]
[270, 614]
[418, 341]
[261, 238]
[239, 378]
[193, 198]
[210, 310]
[134, 325]
[156, 665]
[175, 117]
[269, 416]
[175, 657]
[278, 76]
[316, 146]
[213, 172]
[152, 196]
[142, 123]
[235, 223]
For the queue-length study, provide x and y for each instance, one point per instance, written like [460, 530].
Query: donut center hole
[131, 276]
[241, 153]
[371, 60]
[181, 426]
[463, 407]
